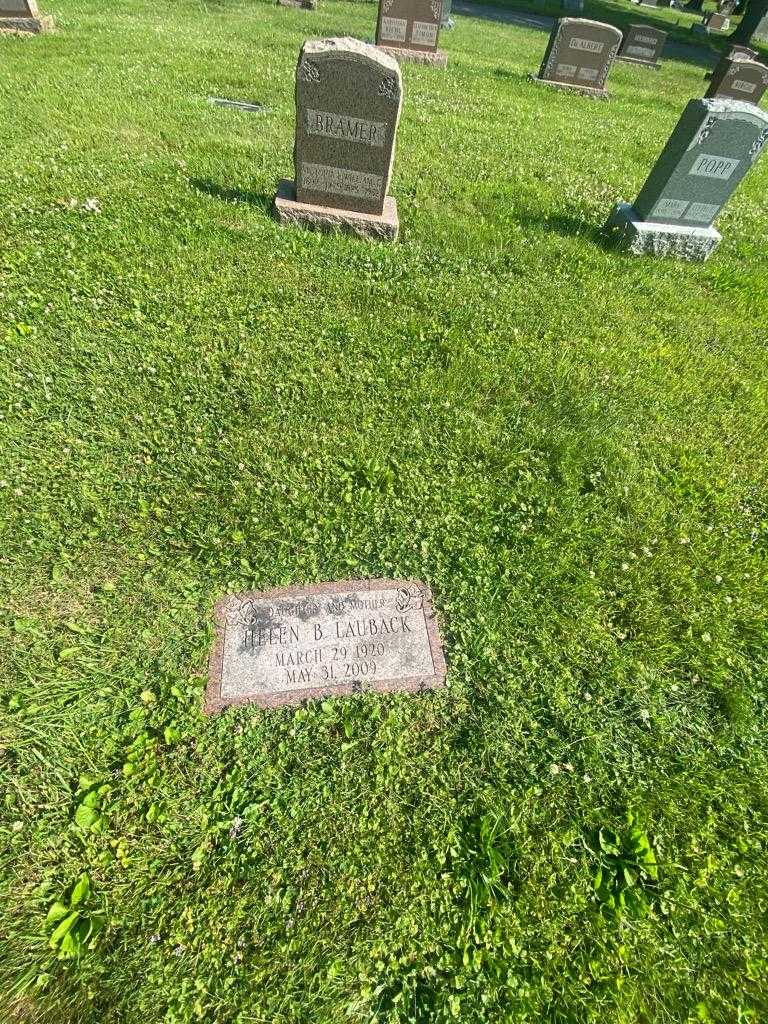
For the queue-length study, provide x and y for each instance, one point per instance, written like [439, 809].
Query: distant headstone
[761, 32]
[713, 146]
[572, 6]
[348, 100]
[579, 56]
[294, 644]
[408, 30]
[643, 45]
[446, 21]
[717, 22]
[739, 79]
[305, 5]
[737, 51]
[23, 16]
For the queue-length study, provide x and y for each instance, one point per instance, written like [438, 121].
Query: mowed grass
[567, 443]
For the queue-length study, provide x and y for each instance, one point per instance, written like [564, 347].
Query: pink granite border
[214, 702]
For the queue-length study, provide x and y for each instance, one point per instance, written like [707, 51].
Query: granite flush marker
[579, 56]
[713, 146]
[293, 644]
[348, 101]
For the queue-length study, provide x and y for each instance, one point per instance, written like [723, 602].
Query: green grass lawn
[569, 444]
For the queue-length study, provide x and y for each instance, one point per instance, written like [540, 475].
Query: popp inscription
[289, 645]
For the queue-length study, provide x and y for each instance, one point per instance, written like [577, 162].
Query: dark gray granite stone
[409, 25]
[348, 100]
[22, 16]
[739, 80]
[295, 644]
[643, 45]
[713, 146]
[579, 55]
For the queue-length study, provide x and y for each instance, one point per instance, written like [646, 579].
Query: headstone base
[34, 25]
[437, 59]
[643, 238]
[583, 90]
[304, 5]
[653, 65]
[383, 227]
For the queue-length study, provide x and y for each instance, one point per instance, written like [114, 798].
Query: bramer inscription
[331, 639]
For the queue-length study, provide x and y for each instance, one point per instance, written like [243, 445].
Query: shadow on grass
[232, 195]
[565, 225]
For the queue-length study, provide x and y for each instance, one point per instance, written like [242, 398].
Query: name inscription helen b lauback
[284, 646]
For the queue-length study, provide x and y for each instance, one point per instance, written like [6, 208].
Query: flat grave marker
[643, 45]
[348, 100]
[713, 146]
[408, 30]
[739, 80]
[579, 56]
[23, 16]
[293, 644]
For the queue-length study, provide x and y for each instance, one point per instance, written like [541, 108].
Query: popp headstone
[713, 146]
[348, 100]
[293, 644]
[738, 79]
[579, 56]
[643, 45]
[408, 30]
[22, 16]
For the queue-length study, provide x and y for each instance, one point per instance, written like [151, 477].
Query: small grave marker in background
[408, 30]
[579, 56]
[294, 644]
[713, 146]
[643, 45]
[738, 79]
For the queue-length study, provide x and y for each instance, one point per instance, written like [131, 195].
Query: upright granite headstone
[643, 45]
[713, 146]
[738, 79]
[348, 100]
[579, 56]
[294, 644]
[446, 21]
[22, 16]
[717, 22]
[572, 6]
[408, 30]
[736, 52]
[761, 32]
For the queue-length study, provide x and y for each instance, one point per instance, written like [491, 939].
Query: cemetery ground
[567, 443]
